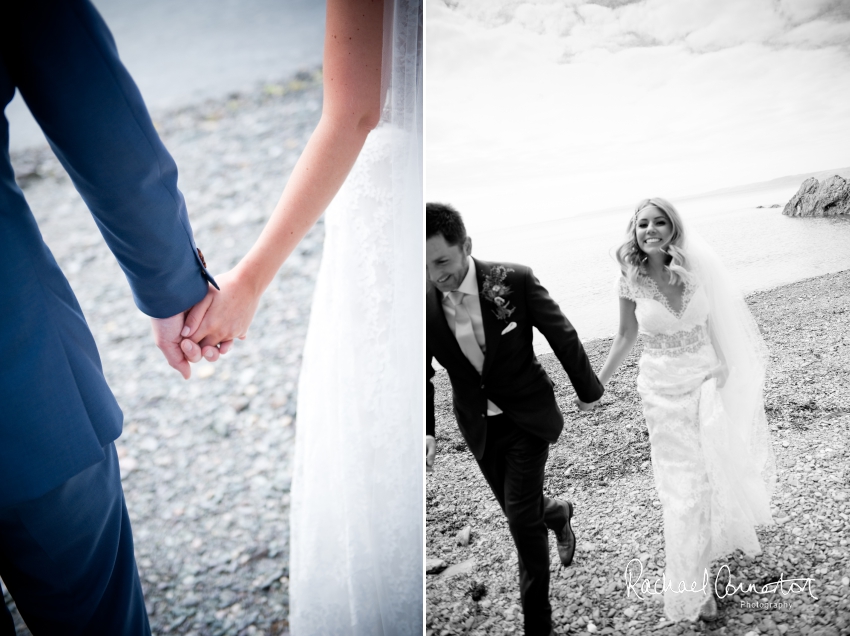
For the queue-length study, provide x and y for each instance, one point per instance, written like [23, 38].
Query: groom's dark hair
[443, 219]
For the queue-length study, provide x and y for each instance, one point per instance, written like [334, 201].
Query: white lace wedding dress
[714, 478]
[357, 493]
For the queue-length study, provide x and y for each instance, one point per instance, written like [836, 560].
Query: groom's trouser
[67, 559]
[513, 464]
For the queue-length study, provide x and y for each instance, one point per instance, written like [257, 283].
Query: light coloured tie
[464, 333]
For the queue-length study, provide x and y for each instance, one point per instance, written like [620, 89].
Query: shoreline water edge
[602, 464]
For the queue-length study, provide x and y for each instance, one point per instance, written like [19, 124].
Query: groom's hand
[430, 453]
[166, 335]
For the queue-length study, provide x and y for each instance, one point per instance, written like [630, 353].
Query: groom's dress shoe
[565, 537]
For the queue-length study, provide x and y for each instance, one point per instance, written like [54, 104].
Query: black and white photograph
[211, 389]
[637, 235]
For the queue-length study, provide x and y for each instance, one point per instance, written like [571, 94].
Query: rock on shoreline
[830, 197]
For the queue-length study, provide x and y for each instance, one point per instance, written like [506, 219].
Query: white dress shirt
[472, 303]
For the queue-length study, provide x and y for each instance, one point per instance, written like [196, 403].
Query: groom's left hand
[166, 335]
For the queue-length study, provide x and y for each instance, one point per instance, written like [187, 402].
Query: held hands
[208, 328]
[221, 316]
[586, 406]
[167, 335]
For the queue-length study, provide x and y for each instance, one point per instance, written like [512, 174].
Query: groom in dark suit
[479, 319]
[66, 548]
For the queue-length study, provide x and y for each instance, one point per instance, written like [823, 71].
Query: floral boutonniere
[495, 291]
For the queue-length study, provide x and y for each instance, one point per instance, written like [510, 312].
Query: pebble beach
[602, 464]
[206, 463]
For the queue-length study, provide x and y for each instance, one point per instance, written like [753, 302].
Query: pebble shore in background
[602, 464]
[206, 464]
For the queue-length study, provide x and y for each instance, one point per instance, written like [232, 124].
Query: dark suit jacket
[512, 377]
[56, 411]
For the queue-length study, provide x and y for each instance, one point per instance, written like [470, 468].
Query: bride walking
[356, 522]
[700, 382]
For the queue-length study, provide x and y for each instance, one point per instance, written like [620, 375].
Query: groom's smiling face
[447, 264]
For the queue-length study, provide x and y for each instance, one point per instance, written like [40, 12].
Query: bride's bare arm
[623, 342]
[351, 109]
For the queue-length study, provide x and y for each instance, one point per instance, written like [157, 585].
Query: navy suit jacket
[512, 376]
[56, 411]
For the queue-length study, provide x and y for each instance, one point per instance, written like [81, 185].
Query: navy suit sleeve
[547, 316]
[63, 60]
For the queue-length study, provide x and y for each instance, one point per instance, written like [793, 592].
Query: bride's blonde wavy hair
[632, 259]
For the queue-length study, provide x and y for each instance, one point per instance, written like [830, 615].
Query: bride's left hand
[719, 373]
[220, 317]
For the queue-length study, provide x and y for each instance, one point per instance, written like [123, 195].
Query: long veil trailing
[357, 491]
[734, 434]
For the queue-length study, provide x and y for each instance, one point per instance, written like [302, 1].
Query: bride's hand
[720, 373]
[220, 317]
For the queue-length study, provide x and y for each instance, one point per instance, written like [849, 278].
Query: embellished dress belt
[679, 342]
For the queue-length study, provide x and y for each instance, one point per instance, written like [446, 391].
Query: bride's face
[446, 264]
[653, 230]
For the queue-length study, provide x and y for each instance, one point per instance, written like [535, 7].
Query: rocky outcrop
[830, 197]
